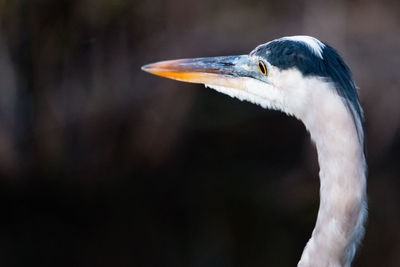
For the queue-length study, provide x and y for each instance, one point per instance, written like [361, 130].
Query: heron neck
[342, 209]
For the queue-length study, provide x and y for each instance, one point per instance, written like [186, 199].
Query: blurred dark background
[102, 164]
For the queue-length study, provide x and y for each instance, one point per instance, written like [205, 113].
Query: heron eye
[262, 68]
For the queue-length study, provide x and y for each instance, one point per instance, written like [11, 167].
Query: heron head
[246, 77]
[283, 74]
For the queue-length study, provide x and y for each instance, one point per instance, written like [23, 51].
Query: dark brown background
[102, 164]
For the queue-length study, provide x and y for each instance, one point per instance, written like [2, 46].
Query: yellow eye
[262, 68]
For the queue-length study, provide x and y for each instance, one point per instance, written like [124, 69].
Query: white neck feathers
[342, 211]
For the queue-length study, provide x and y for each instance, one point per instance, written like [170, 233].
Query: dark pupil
[262, 68]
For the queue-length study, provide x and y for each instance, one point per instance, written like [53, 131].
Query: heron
[308, 79]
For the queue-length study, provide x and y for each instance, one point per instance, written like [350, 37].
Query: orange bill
[218, 71]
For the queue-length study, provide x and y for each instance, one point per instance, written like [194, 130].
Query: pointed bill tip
[162, 68]
[146, 67]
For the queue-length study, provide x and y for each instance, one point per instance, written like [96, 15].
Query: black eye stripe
[262, 68]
